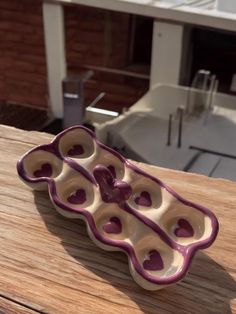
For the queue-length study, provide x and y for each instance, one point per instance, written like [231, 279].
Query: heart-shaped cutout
[79, 197]
[76, 150]
[154, 261]
[184, 229]
[44, 171]
[111, 189]
[144, 199]
[113, 226]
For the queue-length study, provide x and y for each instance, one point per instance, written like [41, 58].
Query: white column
[55, 53]
[166, 53]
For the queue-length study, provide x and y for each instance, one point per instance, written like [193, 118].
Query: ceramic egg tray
[124, 208]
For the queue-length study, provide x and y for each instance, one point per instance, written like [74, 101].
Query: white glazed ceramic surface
[124, 208]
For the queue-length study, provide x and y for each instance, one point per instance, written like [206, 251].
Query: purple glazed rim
[188, 251]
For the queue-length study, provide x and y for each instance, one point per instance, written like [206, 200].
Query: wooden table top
[48, 264]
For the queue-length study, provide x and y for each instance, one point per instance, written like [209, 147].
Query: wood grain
[12, 307]
[49, 265]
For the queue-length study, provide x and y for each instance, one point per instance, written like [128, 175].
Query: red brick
[2, 83]
[23, 66]
[79, 47]
[90, 37]
[32, 7]
[25, 88]
[92, 59]
[23, 72]
[27, 49]
[3, 94]
[20, 27]
[89, 24]
[17, 16]
[35, 39]
[22, 52]
[16, 83]
[24, 76]
[6, 63]
[37, 44]
[10, 36]
[13, 5]
[8, 54]
[28, 99]
[41, 70]
[38, 60]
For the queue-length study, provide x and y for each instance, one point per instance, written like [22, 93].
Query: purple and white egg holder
[124, 208]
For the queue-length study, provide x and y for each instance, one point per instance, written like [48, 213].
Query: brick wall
[22, 53]
[94, 37]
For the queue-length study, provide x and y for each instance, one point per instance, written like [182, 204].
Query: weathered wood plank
[49, 262]
[14, 135]
[9, 307]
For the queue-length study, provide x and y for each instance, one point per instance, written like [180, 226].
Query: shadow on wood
[208, 288]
